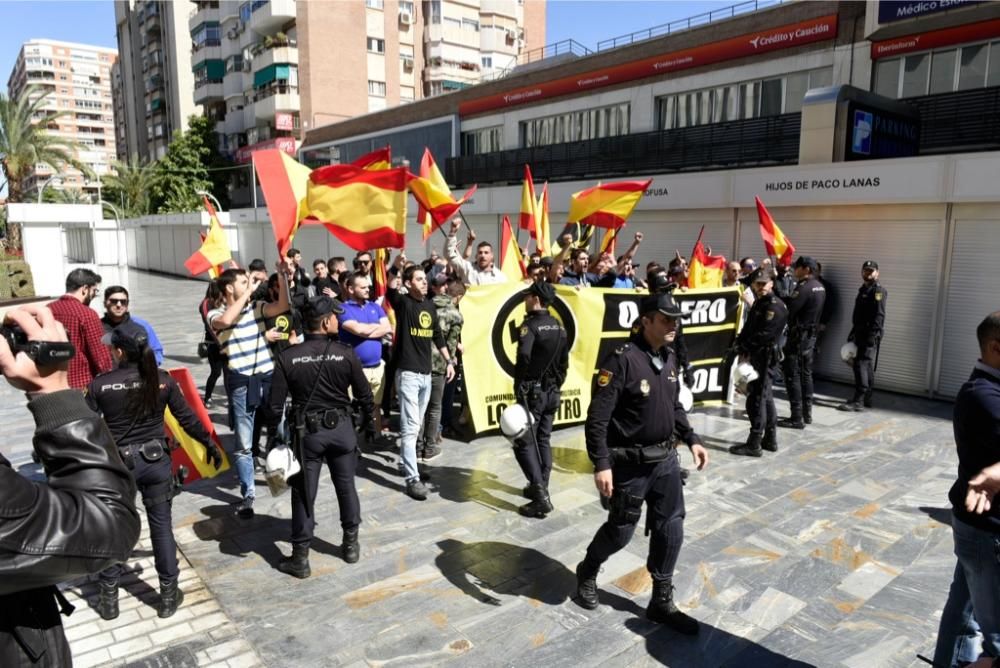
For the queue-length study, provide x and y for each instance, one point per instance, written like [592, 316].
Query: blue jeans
[978, 554]
[414, 392]
[246, 394]
[958, 634]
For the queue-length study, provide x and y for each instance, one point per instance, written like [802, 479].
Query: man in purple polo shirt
[362, 326]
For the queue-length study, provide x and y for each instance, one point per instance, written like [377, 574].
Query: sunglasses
[118, 302]
[364, 261]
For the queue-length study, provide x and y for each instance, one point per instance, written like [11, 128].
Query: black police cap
[320, 306]
[544, 291]
[662, 283]
[761, 275]
[663, 302]
[127, 336]
[807, 262]
[870, 264]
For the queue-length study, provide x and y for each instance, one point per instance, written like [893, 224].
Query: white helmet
[743, 376]
[280, 465]
[514, 422]
[686, 397]
[848, 352]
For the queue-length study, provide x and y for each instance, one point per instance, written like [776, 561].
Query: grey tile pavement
[832, 552]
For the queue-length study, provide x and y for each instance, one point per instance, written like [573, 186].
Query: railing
[680, 25]
[773, 140]
[274, 89]
[967, 120]
[563, 48]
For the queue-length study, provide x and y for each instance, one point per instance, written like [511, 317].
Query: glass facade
[941, 71]
[610, 121]
[486, 140]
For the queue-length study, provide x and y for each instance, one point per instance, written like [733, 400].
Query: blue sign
[898, 10]
[861, 140]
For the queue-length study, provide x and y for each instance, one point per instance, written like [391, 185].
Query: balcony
[205, 12]
[773, 140]
[272, 15]
[273, 99]
[233, 84]
[209, 90]
[282, 54]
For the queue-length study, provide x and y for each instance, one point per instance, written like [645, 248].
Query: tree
[131, 186]
[66, 196]
[184, 170]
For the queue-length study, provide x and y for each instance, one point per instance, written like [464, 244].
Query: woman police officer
[132, 398]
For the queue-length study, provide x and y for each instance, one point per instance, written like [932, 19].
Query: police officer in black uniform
[758, 344]
[542, 361]
[132, 399]
[319, 373]
[805, 306]
[633, 415]
[866, 333]
[663, 284]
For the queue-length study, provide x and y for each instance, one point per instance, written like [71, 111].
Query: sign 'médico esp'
[597, 321]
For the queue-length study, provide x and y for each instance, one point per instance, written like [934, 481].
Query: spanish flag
[376, 160]
[214, 250]
[435, 203]
[380, 282]
[607, 204]
[528, 219]
[283, 180]
[705, 271]
[541, 231]
[609, 243]
[775, 241]
[189, 453]
[511, 261]
[363, 208]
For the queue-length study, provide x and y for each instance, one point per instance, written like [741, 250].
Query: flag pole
[462, 216]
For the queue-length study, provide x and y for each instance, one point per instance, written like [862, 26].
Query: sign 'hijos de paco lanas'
[750, 44]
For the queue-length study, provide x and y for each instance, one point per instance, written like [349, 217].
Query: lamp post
[118, 232]
[54, 177]
[205, 193]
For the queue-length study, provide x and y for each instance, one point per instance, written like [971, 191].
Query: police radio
[42, 353]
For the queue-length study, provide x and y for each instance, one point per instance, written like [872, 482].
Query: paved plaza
[836, 551]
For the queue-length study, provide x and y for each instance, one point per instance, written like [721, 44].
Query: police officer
[318, 373]
[805, 306]
[542, 361]
[633, 414]
[132, 398]
[758, 345]
[661, 283]
[866, 333]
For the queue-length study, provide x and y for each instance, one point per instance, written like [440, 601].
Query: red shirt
[84, 329]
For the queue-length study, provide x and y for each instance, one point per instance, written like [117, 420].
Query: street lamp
[54, 177]
[118, 231]
[205, 193]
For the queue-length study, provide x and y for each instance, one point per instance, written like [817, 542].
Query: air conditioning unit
[407, 63]
[405, 17]
[511, 37]
[232, 34]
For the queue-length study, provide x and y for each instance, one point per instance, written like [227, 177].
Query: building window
[972, 67]
[406, 7]
[487, 62]
[609, 121]
[470, 24]
[962, 68]
[374, 4]
[376, 45]
[207, 34]
[943, 71]
[454, 23]
[376, 88]
[245, 12]
[435, 13]
[486, 140]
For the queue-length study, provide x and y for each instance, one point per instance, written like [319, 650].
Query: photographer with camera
[132, 399]
[80, 521]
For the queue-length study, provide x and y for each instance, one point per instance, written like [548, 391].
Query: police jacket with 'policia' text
[108, 394]
[805, 304]
[869, 314]
[327, 365]
[634, 403]
[765, 324]
[542, 353]
[416, 329]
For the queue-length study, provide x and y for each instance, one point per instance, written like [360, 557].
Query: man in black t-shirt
[416, 329]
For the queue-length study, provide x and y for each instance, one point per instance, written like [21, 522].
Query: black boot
[868, 400]
[107, 600]
[351, 549]
[662, 610]
[770, 441]
[586, 585]
[852, 406]
[298, 564]
[171, 598]
[807, 412]
[793, 422]
[541, 504]
[749, 449]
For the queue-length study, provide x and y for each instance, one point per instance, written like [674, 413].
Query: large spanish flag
[606, 204]
[435, 203]
[189, 453]
[705, 271]
[363, 208]
[775, 241]
[214, 250]
[528, 218]
[283, 180]
[511, 261]
[376, 160]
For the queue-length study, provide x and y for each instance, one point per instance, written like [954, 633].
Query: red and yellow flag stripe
[606, 204]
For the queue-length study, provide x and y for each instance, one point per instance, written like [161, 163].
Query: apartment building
[155, 79]
[76, 79]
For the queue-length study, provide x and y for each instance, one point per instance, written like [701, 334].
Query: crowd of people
[312, 361]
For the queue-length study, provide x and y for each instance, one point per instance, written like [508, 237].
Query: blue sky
[93, 21]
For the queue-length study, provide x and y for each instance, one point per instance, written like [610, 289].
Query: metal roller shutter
[665, 231]
[905, 241]
[975, 268]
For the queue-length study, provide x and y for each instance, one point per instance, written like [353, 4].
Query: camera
[43, 353]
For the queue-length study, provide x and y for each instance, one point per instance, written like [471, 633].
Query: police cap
[870, 264]
[544, 291]
[128, 336]
[806, 262]
[761, 275]
[661, 283]
[663, 302]
[320, 306]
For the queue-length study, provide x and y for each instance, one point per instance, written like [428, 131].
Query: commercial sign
[765, 41]
[597, 321]
[286, 144]
[897, 10]
[969, 32]
[284, 121]
[874, 133]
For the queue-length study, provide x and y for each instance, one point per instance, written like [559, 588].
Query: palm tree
[26, 142]
[130, 186]
[66, 196]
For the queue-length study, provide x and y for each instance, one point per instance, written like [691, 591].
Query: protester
[450, 321]
[210, 344]
[483, 272]
[116, 311]
[83, 327]
[299, 276]
[362, 326]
